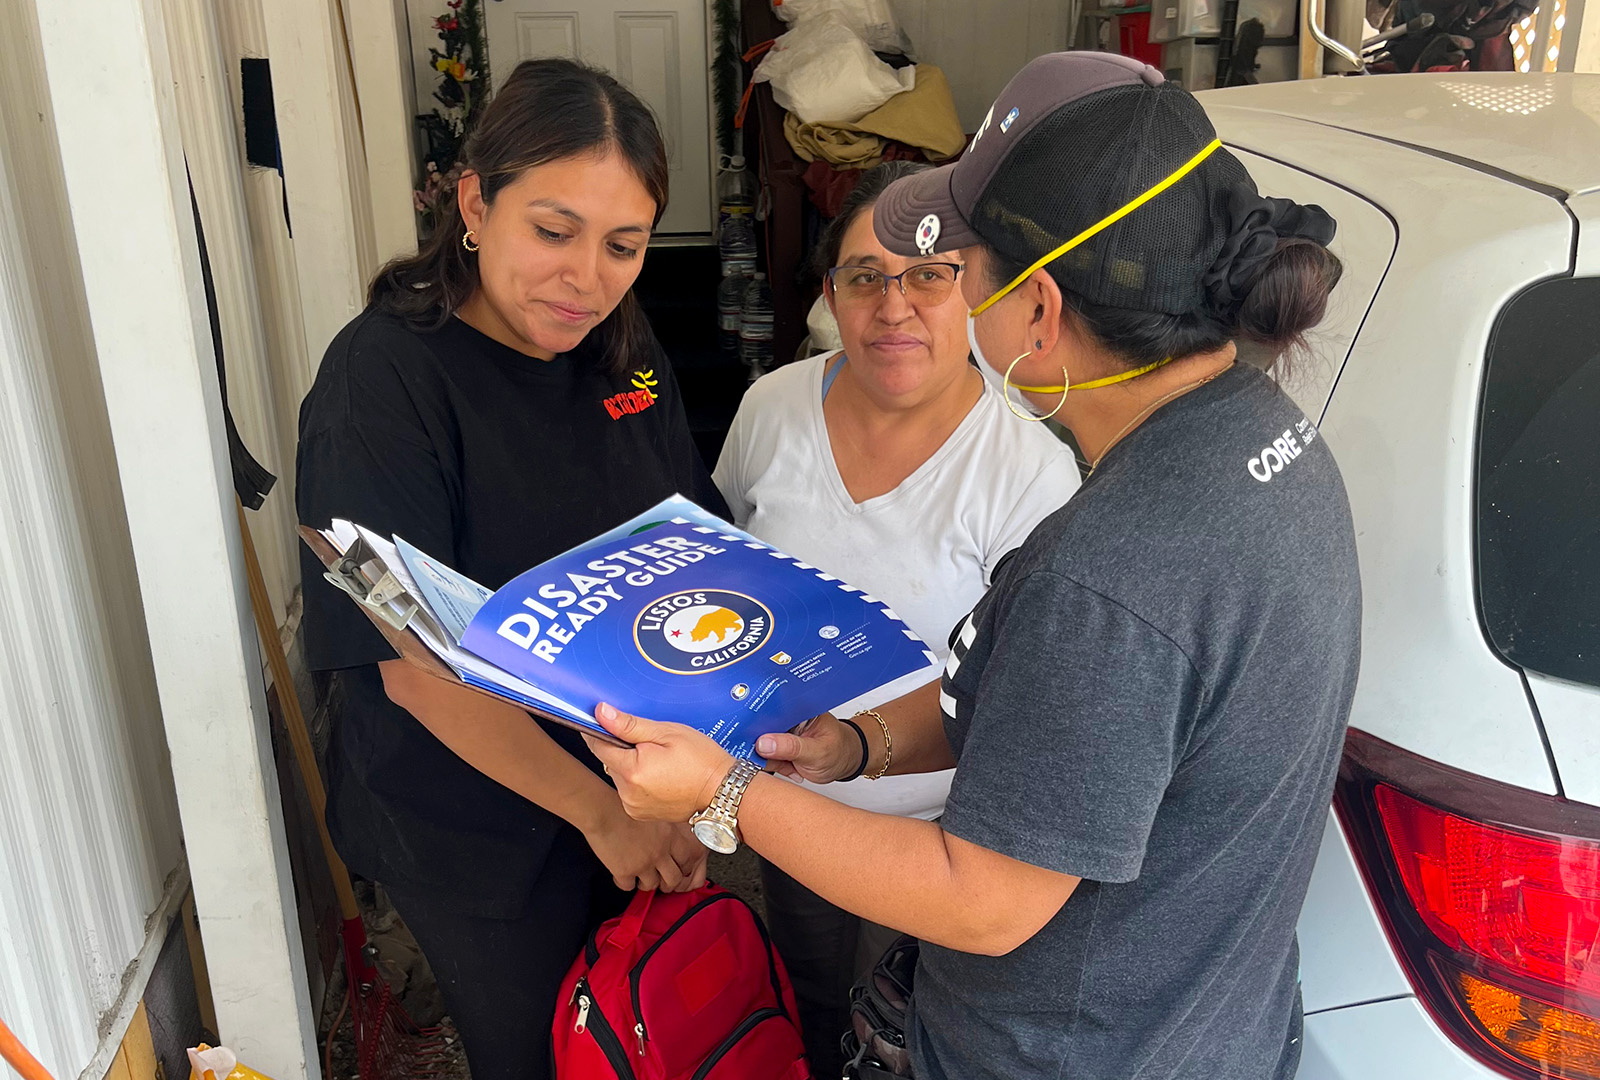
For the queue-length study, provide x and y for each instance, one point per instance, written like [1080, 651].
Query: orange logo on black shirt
[633, 401]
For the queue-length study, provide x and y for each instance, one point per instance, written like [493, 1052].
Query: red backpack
[681, 986]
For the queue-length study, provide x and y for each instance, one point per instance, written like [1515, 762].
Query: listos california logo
[701, 630]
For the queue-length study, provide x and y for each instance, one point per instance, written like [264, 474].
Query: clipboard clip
[385, 597]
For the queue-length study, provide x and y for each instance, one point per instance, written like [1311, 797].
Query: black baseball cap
[1074, 137]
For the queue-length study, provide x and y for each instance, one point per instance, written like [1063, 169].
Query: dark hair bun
[1268, 286]
[1288, 294]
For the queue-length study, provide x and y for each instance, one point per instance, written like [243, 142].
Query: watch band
[725, 804]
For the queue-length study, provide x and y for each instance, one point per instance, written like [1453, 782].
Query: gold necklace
[1152, 407]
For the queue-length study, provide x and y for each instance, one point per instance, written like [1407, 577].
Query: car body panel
[1384, 1040]
[1571, 715]
[1345, 955]
[1401, 422]
[1365, 243]
[1543, 128]
[1586, 210]
[1486, 195]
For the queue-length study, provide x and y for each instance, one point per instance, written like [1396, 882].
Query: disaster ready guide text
[591, 594]
[675, 615]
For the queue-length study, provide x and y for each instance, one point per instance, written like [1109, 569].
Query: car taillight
[1491, 897]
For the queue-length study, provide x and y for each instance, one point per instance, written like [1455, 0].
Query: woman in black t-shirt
[501, 399]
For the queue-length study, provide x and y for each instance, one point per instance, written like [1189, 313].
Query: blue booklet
[674, 615]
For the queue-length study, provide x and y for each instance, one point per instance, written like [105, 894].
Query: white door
[656, 48]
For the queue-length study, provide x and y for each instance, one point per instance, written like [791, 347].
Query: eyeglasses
[926, 283]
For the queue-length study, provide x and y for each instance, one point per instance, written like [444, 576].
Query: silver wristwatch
[717, 826]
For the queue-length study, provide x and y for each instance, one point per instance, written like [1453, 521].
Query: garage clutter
[845, 104]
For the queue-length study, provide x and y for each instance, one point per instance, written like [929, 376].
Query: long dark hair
[547, 110]
[1286, 298]
[860, 200]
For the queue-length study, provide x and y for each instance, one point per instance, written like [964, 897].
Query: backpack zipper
[638, 968]
[591, 1019]
[751, 1022]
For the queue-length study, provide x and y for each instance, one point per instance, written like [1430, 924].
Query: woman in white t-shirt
[894, 465]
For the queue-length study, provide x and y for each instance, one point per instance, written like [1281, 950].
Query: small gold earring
[468, 242]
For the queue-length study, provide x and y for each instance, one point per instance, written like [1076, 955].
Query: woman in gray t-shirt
[1145, 711]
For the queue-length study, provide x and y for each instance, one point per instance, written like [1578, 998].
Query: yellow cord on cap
[1100, 226]
[1093, 383]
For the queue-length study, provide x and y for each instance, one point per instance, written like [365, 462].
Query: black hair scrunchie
[1256, 224]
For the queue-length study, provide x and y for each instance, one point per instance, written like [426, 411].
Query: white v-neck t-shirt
[927, 548]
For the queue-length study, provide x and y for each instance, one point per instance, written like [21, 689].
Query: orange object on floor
[18, 1057]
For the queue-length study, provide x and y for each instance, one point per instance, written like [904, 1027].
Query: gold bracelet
[888, 742]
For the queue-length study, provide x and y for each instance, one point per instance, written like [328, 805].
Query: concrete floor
[740, 873]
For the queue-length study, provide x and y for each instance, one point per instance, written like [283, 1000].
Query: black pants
[500, 977]
[825, 949]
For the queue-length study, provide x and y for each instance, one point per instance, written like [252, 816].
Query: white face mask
[1018, 402]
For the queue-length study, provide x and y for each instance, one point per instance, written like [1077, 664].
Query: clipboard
[373, 598]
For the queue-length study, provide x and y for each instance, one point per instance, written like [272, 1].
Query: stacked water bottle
[744, 300]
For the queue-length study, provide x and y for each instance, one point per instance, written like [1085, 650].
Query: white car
[1453, 925]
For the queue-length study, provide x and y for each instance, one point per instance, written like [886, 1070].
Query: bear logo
[721, 622]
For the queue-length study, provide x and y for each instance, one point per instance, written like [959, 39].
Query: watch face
[716, 836]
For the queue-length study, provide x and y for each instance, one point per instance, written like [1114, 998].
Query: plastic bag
[822, 70]
[873, 20]
[822, 327]
[218, 1063]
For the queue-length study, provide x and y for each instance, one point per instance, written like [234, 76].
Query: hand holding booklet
[674, 615]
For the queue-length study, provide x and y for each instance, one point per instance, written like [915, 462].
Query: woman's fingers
[783, 747]
[690, 855]
[627, 883]
[671, 771]
[625, 726]
[649, 880]
[668, 875]
[816, 750]
[694, 866]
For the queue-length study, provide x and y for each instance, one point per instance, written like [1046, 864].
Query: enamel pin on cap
[928, 234]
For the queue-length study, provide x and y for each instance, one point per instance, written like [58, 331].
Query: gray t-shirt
[1152, 697]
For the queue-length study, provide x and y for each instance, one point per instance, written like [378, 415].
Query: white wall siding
[88, 821]
[290, 367]
[111, 77]
[202, 74]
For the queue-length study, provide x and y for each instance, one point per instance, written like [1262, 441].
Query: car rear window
[1539, 482]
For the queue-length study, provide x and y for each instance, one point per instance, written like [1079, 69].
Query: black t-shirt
[492, 461]
[1152, 697]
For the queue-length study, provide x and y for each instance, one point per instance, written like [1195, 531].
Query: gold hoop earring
[468, 242]
[1066, 385]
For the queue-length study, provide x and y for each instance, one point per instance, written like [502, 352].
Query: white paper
[431, 632]
[453, 598]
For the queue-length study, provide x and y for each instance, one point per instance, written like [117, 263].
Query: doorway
[657, 49]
